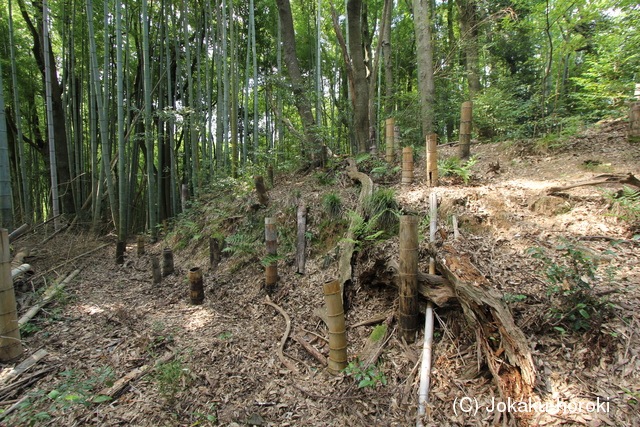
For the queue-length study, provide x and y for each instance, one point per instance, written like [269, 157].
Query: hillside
[217, 363]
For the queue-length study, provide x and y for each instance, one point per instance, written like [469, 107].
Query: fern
[240, 244]
[453, 166]
[270, 259]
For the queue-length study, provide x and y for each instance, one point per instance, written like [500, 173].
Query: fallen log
[607, 178]
[18, 232]
[19, 271]
[22, 367]
[503, 344]
[47, 297]
[120, 385]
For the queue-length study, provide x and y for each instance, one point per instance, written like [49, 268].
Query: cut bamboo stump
[261, 190]
[140, 245]
[156, 273]
[196, 285]
[167, 261]
[408, 293]
[120, 250]
[302, 239]
[432, 160]
[388, 139]
[407, 166]
[271, 241]
[215, 252]
[337, 330]
[10, 344]
[465, 130]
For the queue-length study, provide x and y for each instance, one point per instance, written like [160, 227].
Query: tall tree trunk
[388, 63]
[313, 147]
[6, 208]
[26, 197]
[153, 219]
[122, 181]
[426, 85]
[361, 95]
[469, 35]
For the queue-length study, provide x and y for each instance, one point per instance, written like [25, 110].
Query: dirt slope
[225, 370]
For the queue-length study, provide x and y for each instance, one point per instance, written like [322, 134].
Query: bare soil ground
[218, 361]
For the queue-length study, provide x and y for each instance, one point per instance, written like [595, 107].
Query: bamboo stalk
[10, 344]
[18, 232]
[16, 272]
[270, 175]
[215, 252]
[433, 227]
[634, 122]
[408, 292]
[465, 130]
[432, 160]
[407, 166]
[337, 330]
[388, 139]
[120, 250]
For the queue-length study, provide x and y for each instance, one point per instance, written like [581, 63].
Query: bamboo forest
[317, 213]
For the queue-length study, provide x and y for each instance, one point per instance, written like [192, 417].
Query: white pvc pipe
[425, 370]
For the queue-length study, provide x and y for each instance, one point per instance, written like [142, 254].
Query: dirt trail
[226, 371]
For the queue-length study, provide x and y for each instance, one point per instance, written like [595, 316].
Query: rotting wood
[504, 345]
[285, 336]
[302, 239]
[184, 197]
[47, 296]
[385, 272]
[376, 342]
[261, 190]
[310, 349]
[118, 388]
[23, 366]
[347, 246]
[607, 178]
[10, 344]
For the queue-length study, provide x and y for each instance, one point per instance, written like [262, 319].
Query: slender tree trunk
[424, 45]
[122, 181]
[153, 219]
[388, 64]
[6, 208]
[313, 147]
[469, 34]
[26, 199]
[361, 95]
